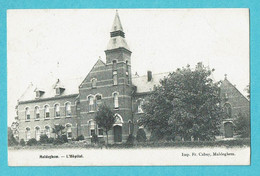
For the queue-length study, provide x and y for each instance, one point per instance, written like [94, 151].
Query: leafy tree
[242, 125]
[57, 130]
[186, 103]
[11, 139]
[105, 118]
[44, 139]
[22, 142]
[141, 135]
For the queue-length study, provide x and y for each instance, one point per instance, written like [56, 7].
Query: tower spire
[117, 35]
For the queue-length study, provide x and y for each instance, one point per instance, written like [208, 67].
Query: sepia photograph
[128, 87]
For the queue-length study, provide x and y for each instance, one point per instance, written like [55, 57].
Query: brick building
[73, 103]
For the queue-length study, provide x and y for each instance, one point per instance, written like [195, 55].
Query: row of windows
[95, 101]
[46, 130]
[47, 111]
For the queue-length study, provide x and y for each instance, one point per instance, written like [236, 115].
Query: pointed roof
[117, 35]
[117, 26]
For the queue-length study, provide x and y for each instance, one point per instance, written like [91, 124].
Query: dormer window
[59, 90]
[39, 93]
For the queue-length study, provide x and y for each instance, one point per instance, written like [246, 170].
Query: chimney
[149, 76]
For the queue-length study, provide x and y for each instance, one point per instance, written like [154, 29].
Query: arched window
[114, 65]
[140, 106]
[57, 110]
[227, 110]
[48, 131]
[69, 131]
[98, 100]
[37, 133]
[37, 113]
[115, 77]
[115, 96]
[27, 113]
[68, 109]
[46, 112]
[27, 134]
[94, 83]
[91, 103]
[127, 73]
[92, 127]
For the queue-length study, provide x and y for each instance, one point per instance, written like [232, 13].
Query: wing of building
[73, 103]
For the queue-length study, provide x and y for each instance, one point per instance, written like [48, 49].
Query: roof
[49, 85]
[143, 85]
[117, 26]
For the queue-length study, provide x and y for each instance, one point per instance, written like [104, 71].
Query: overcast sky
[160, 41]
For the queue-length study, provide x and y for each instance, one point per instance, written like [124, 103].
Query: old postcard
[126, 87]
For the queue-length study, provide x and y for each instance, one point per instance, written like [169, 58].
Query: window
[91, 103]
[92, 127]
[130, 127]
[69, 132]
[68, 109]
[27, 134]
[227, 110]
[27, 113]
[140, 106]
[114, 65]
[127, 73]
[37, 113]
[57, 110]
[46, 111]
[115, 95]
[94, 83]
[115, 77]
[98, 100]
[100, 132]
[37, 133]
[47, 131]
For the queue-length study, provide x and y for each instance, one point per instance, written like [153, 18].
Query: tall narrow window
[114, 65]
[46, 112]
[47, 131]
[115, 96]
[92, 127]
[67, 109]
[227, 110]
[115, 77]
[57, 110]
[100, 131]
[98, 101]
[91, 103]
[140, 106]
[69, 132]
[37, 113]
[27, 134]
[94, 83]
[127, 73]
[27, 113]
[37, 133]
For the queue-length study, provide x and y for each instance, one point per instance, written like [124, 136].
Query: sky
[161, 40]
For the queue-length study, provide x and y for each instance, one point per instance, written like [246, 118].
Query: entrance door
[117, 133]
[228, 130]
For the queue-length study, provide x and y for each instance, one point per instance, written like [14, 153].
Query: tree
[242, 125]
[141, 135]
[57, 130]
[105, 118]
[186, 103]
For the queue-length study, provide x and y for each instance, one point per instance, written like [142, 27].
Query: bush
[50, 140]
[22, 142]
[32, 141]
[141, 136]
[58, 141]
[44, 139]
[94, 139]
[12, 141]
[80, 138]
[130, 139]
[64, 138]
